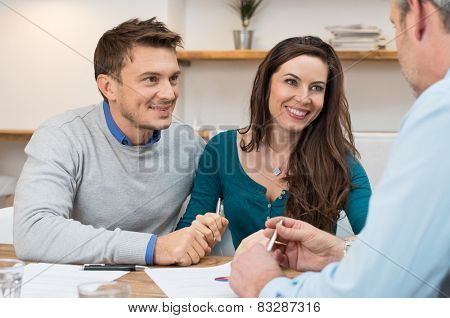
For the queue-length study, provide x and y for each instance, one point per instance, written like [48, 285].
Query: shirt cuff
[283, 287]
[273, 288]
[150, 250]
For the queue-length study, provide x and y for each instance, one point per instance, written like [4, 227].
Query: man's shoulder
[432, 104]
[440, 89]
[178, 125]
[182, 134]
[70, 117]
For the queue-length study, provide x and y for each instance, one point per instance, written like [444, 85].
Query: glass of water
[11, 273]
[104, 290]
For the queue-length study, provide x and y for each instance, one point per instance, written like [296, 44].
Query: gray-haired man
[403, 250]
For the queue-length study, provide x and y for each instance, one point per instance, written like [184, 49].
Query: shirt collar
[119, 135]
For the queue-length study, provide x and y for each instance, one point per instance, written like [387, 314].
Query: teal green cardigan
[220, 174]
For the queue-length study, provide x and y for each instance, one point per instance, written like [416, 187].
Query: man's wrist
[338, 250]
[150, 251]
[265, 281]
[347, 244]
[273, 288]
[343, 246]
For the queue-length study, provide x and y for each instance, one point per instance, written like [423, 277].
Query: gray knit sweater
[83, 197]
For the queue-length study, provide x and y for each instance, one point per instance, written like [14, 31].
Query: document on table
[60, 281]
[193, 282]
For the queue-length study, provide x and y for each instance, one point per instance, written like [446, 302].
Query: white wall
[218, 93]
[208, 23]
[40, 76]
[47, 48]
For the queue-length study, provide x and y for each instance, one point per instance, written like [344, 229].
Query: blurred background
[47, 48]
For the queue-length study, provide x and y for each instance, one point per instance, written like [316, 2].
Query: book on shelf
[356, 37]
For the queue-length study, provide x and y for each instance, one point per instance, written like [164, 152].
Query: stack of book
[356, 37]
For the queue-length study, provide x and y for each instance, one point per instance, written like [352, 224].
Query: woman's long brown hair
[318, 174]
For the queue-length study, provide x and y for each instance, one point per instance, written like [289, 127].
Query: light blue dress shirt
[404, 249]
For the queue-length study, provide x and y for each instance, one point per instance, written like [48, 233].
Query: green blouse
[220, 174]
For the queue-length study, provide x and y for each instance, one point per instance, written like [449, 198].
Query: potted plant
[246, 9]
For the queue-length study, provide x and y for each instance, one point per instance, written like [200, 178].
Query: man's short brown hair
[114, 46]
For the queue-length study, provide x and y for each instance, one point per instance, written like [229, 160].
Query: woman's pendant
[276, 171]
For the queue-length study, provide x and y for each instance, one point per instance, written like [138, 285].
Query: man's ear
[107, 85]
[418, 18]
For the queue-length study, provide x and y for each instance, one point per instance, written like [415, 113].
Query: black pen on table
[113, 267]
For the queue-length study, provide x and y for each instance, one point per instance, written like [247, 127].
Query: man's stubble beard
[408, 65]
[133, 119]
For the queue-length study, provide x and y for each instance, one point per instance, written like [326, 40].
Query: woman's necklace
[278, 169]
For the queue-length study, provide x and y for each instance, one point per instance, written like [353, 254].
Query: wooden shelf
[15, 135]
[239, 55]
[221, 55]
[187, 56]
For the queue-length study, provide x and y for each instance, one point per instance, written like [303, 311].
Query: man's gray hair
[443, 6]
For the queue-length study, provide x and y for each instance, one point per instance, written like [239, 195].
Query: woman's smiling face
[297, 92]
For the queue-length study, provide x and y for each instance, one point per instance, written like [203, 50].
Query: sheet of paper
[60, 281]
[193, 282]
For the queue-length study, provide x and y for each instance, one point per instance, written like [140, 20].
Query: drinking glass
[11, 273]
[104, 290]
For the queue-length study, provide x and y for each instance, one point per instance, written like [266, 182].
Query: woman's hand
[212, 226]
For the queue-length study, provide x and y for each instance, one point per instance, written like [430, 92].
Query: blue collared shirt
[124, 140]
[119, 135]
[404, 249]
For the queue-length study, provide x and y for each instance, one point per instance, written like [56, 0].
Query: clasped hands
[187, 246]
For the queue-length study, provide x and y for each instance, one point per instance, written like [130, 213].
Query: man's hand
[307, 249]
[250, 241]
[251, 270]
[183, 247]
[212, 226]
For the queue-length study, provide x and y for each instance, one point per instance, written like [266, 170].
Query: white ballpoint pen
[273, 238]
[218, 210]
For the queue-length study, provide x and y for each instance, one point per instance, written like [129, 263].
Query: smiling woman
[297, 92]
[295, 158]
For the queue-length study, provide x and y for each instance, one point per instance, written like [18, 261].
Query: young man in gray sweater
[105, 183]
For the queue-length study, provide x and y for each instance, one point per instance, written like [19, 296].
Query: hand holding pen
[273, 238]
[307, 248]
[212, 225]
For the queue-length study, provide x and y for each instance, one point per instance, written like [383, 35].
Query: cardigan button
[269, 205]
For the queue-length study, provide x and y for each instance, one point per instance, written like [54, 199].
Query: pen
[115, 267]
[218, 206]
[222, 279]
[273, 238]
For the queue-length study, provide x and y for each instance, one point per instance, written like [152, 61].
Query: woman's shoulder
[357, 171]
[223, 139]
[354, 164]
